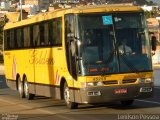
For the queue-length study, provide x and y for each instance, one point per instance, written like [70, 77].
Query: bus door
[71, 45]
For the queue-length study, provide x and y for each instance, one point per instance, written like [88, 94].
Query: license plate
[120, 91]
[146, 89]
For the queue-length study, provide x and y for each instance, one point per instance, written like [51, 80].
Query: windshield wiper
[110, 57]
[109, 60]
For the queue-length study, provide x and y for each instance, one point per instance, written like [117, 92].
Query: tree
[1, 31]
[2, 23]
[147, 14]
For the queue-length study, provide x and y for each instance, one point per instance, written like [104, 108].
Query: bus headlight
[94, 84]
[148, 80]
[145, 80]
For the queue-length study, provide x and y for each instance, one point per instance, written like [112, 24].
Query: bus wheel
[28, 95]
[21, 88]
[70, 105]
[127, 102]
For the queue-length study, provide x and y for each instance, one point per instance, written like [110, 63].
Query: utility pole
[21, 8]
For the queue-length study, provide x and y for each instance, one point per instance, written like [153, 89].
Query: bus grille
[129, 81]
[110, 82]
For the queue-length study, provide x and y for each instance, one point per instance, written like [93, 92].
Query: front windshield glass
[113, 43]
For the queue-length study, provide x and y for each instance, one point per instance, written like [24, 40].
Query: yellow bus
[73, 54]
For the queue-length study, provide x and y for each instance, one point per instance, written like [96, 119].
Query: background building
[31, 2]
[154, 26]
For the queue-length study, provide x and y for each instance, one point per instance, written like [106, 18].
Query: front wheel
[70, 105]
[127, 102]
[28, 95]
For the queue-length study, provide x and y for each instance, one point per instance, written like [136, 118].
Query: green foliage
[1, 31]
[151, 14]
[148, 14]
[1, 59]
[2, 23]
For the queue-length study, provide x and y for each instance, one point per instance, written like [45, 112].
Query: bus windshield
[102, 38]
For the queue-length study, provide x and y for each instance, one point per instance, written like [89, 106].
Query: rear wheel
[127, 102]
[21, 88]
[28, 95]
[70, 105]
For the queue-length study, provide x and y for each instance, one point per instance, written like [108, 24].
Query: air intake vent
[110, 82]
[129, 81]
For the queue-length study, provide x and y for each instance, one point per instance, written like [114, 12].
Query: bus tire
[69, 104]
[21, 88]
[28, 95]
[127, 102]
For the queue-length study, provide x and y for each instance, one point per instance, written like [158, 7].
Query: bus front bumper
[115, 93]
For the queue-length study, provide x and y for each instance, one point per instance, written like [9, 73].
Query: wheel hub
[66, 95]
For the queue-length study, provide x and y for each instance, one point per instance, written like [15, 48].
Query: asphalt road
[41, 108]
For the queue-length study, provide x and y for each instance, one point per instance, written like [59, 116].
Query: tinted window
[26, 36]
[40, 34]
[57, 31]
[19, 40]
[36, 35]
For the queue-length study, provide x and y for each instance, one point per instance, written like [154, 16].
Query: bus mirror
[141, 34]
[70, 36]
[73, 48]
[153, 42]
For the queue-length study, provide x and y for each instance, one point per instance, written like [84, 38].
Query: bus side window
[19, 41]
[42, 32]
[57, 29]
[31, 36]
[12, 37]
[50, 29]
[17, 38]
[36, 36]
[26, 36]
[46, 34]
[7, 40]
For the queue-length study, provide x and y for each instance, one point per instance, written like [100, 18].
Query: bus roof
[80, 9]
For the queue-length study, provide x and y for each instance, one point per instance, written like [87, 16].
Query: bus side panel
[18, 62]
[48, 66]
[8, 62]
